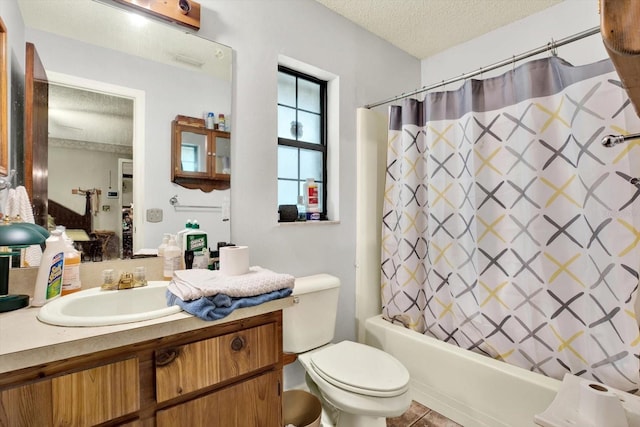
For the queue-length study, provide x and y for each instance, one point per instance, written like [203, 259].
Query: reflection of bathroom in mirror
[93, 131]
[168, 72]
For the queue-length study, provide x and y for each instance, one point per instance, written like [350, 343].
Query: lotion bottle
[171, 261]
[51, 270]
[163, 245]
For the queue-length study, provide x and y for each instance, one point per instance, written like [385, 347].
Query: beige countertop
[26, 342]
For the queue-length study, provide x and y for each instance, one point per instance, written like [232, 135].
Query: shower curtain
[509, 230]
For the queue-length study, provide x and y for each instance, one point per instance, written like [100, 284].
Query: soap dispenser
[172, 259]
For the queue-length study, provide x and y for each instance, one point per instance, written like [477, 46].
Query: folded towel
[18, 203]
[197, 283]
[220, 305]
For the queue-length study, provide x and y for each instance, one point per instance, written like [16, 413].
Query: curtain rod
[551, 46]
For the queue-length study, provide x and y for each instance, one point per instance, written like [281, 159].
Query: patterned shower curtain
[509, 230]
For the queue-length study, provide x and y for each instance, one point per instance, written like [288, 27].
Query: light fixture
[185, 13]
[15, 235]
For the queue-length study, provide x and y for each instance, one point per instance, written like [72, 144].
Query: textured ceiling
[425, 27]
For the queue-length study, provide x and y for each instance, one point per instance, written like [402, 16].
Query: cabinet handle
[165, 357]
[237, 344]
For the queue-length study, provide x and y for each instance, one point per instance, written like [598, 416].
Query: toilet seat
[361, 369]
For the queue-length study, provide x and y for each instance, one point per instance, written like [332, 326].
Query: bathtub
[469, 388]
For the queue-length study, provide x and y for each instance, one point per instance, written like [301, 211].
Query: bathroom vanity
[176, 370]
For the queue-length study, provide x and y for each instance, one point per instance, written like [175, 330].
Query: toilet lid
[361, 369]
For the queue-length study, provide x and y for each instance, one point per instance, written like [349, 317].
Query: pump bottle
[171, 261]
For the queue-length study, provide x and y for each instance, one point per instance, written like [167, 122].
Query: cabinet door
[96, 395]
[192, 152]
[83, 398]
[201, 364]
[221, 160]
[28, 405]
[255, 402]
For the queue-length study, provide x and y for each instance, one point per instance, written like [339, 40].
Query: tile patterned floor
[420, 416]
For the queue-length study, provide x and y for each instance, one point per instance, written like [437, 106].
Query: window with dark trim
[302, 137]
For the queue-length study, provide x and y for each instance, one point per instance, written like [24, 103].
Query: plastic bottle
[311, 200]
[179, 234]
[196, 241]
[302, 210]
[221, 122]
[72, 259]
[165, 242]
[49, 278]
[172, 255]
[210, 121]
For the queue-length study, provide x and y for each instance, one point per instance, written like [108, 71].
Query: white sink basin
[95, 307]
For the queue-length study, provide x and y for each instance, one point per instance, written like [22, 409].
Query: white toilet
[358, 385]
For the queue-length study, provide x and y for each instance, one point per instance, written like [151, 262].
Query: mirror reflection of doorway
[125, 205]
[91, 146]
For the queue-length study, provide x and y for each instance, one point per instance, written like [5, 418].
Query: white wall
[369, 69]
[565, 19]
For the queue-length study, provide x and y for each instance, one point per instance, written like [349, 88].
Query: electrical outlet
[154, 215]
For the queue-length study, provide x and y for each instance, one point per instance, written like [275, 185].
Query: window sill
[295, 223]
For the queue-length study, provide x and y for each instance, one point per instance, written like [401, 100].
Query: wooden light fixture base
[181, 12]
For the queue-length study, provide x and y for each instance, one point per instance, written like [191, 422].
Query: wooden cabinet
[225, 375]
[200, 157]
[259, 408]
[84, 398]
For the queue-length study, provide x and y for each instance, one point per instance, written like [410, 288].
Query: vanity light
[185, 13]
[15, 235]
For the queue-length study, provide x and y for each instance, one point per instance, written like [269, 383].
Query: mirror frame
[4, 139]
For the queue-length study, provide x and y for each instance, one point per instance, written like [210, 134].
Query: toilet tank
[311, 321]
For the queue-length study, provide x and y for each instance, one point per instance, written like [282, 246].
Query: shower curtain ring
[513, 63]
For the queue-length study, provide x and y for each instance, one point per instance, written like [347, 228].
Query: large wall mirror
[116, 81]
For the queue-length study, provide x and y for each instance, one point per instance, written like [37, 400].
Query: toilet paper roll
[234, 260]
[599, 406]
